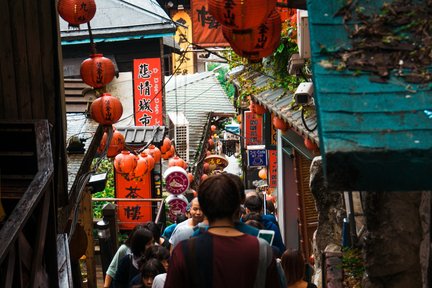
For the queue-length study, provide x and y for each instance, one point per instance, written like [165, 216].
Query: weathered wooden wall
[31, 81]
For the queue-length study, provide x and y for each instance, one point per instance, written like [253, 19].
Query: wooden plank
[32, 36]
[25, 207]
[63, 262]
[86, 219]
[40, 238]
[8, 102]
[19, 42]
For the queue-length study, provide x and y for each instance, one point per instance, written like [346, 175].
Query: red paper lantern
[125, 162]
[116, 145]
[256, 43]
[259, 109]
[280, 124]
[155, 152]
[263, 173]
[150, 161]
[176, 161]
[76, 12]
[141, 168]
[241, 14]
[213, 128]
[97, 71]
[106, 110]
[310, 145]
[166, 145]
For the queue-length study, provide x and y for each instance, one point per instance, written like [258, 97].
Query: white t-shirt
[159, 281]
[181, 232]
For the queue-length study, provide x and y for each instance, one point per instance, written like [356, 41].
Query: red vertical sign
[253, 129]
[131, 213]
[147, 92]
[272, 168]
[206, 31]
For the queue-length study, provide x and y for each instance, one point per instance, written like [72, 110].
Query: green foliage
[226, 85]
[353, 266]
[106, 165]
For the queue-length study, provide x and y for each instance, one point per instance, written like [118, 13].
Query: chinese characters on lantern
[207, 31]
[147, 92]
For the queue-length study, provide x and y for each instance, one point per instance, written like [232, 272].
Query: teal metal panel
[374, 136]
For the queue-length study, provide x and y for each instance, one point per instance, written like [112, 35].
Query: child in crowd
[293, 264]
[149, 270]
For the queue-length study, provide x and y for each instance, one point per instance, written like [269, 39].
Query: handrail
[34, 193]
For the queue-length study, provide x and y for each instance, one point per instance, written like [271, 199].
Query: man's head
[253, 203]
[196, 214]
[219, 197]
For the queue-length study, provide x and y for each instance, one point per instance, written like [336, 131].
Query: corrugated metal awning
[142, 135]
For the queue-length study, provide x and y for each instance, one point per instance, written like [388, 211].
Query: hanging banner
[183, 36]
[272, 168]
[207, 32]
[132, 213]
[147, 92]
[253, 129]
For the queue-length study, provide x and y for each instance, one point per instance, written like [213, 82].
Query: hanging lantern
[191, 177]
[262, 173]
[141, 167]
[241, 14]
[259, 109]
[155, 152]
[125, 162]
[279, 123]
[76, 12]
[211, 143]
[176, 161]
[115, 147]
[310, 145]
[213, 128]
[166, 145]
[97, 71]
[256, 43]
[106, 110]
[150, 160]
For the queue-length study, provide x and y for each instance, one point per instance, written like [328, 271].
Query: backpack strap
[265, 258]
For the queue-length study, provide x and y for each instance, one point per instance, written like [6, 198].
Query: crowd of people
[215, 244]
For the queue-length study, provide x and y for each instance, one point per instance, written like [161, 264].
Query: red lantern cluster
[97, 71]
[133, 166]
[167, 149]
[76, 12]
[106, 110]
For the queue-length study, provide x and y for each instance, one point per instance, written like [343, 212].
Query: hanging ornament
[76, 12]
[262, 173]
[97, 71]
[310, 145]
[150, 160]
[241, 14]
[141, 168]
[256, 43]
[116, 145]
[125, 162]
[155, 152]
[279, 123]
[106, 110]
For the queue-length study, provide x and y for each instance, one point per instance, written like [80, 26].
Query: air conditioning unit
[303, 38]
[179, 131]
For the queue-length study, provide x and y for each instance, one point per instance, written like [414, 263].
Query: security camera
[304, 93]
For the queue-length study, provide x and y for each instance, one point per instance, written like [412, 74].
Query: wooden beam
[86, 220]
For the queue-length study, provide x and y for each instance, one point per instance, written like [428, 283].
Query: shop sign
[131, 213]
[177, 205]
[176, 180]
[256, 155]
[272, 168]
[253, 129]
[147, 92]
